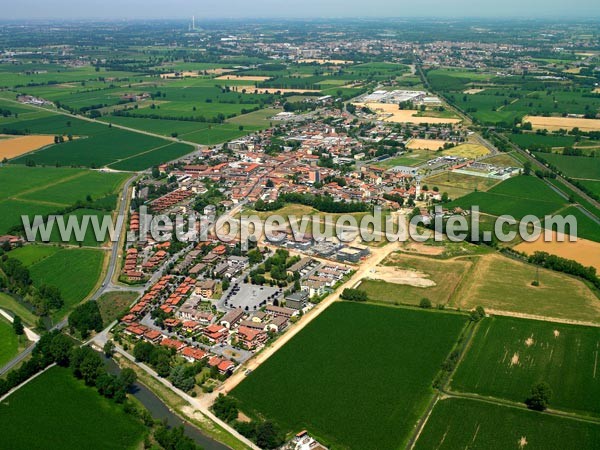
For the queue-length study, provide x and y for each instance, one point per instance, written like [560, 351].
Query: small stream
[160, 411]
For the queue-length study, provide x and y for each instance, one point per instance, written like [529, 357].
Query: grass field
[407, 279]
[574, 166]
[64, 414]
[507, 356]
[112, 305]
[356, 377]
[9, 342]
[40, 191]
[459, 184]
[74, 271]
[500, 283]
[469, 424]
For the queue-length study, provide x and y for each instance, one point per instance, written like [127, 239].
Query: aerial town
[201, 234]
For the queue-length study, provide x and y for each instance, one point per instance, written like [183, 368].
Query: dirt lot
[390, 113]
[401, 276]
[567, 123]
[242, 78]
[426, 144]
[583, 251]
[17, 146]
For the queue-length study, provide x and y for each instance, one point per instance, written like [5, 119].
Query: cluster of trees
[323, 203]
[87, 365]
[158, 357]
[540, 397]
[174, 439]
[569, 266]
[85, 318]
[264, 433]
[276, 266]
[44, 298]
[354, 295]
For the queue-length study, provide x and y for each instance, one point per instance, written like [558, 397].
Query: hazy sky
[114, 9]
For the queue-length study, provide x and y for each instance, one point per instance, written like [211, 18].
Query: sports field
[358, 376]
[507, 356]
[500, 283]
[56, 411]
[457, 423]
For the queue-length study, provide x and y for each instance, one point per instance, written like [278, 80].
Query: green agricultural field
[500, 283]
[459, 184]
[58, 405]
[9, 341]
[587, 228]
[74, 271]
[518, 196]
[40, 191]
[507, 356]
[458, 423]
[77, 187]
[95, 144]
[593, 186]
[162, 154]
[113, 304]
[408, 279]
[534, 140]
[324, 372]
[574, 166]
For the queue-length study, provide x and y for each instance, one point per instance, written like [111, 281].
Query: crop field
[406, 279]
[459, 184]
[500, 283]
[463, 423]
[17, 146]
[382, 369]
[583, 251]
[9, 341]
[564, 123]
[517, 196]
[74, 271]
[593, 186]
[508, 355]
[159, 155]
[58, 400]
[534, 140]
[586, 227]
[426, 144]
[503, 160]
[471, 151]
[574, 166]
[96, 145]
[40, 191]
